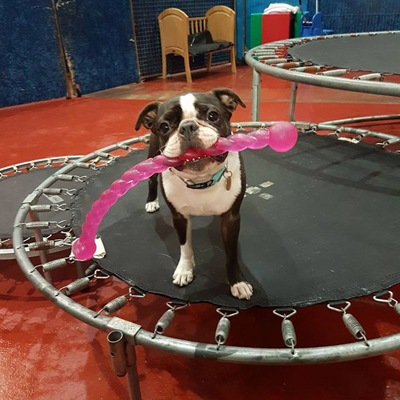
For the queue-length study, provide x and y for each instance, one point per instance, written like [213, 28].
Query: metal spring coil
[115, 305]
[51, 265]
[42, 245]
[76, 286]
[353, 326]
[37, 225]
[41, 208]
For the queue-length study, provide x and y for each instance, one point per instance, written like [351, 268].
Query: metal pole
[132, 377]
[256, 89]
[80, 270]
[116, 345]
[123, 356]
[293, 99]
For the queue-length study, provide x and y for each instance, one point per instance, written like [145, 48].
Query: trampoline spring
[397, 308]
[102, 154]
[163, 323]
[276, 61]
[314, 68]
[354, 327]
[289, 65]
[334, 72]
[42, 245]
[70, 178]
[41, 208]
[370, 77]
[65, 177]
[222, 331]
[115, 305]
[126, 147]
[76, 286]
[51, 265]
[82, 165]
[289, 334]
[37, 224]
[16, 170]
[391, 141]
[268, 57]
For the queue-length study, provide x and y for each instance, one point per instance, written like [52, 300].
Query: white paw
[152, 206]
[183, 274]
[242, 290]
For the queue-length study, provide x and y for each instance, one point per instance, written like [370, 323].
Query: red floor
[46, 354]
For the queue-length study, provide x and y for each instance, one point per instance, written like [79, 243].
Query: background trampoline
[317, 165]
[362, 62]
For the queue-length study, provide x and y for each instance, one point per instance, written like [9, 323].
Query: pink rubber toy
[282, 136]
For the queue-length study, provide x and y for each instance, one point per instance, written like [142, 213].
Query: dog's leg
[152, 204]
[230, 223]
[183, 274]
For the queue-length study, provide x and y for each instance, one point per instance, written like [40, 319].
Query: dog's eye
[213, 116]
[164, 127]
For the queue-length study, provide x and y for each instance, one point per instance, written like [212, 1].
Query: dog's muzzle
[188, 129]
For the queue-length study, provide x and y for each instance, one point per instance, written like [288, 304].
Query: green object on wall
[255, 29]
[297, 24]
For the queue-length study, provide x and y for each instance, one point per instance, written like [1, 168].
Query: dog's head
[191, 120]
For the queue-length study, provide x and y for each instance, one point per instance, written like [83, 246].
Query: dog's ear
[228, 98]
[148, 115]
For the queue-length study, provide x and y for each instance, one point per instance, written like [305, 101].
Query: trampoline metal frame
[125, 335]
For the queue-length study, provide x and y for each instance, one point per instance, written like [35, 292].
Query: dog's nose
[188, 129]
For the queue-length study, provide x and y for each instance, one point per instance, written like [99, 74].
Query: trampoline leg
[39, 238]
[123, 357]
[293, 102]
[132, 377]
[255, 110]
[79, 269]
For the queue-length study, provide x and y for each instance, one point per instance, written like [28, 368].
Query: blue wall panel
[344, 16]
[96, 38]
[148, 33]
[30, 67]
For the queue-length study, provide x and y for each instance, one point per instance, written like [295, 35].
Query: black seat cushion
[202, 42]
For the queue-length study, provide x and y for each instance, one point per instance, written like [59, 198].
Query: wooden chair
[176, 26]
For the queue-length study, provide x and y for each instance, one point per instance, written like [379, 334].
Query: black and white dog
[206, 186]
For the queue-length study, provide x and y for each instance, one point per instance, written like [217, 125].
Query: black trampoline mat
[322, 223]
[15, 188]
[378, 53]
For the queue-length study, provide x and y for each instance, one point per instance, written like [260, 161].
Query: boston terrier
[205, 186]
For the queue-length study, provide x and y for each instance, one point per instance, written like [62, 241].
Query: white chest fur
[214, 200]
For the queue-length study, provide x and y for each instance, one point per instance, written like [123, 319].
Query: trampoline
[319, 226]
[361, 62]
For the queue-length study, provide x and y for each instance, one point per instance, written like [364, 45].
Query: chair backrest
[197, 24]
[221, 21]
[174, 31]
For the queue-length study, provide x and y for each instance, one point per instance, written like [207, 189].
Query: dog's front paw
[183, 274]
[152, 206]
[242, 290]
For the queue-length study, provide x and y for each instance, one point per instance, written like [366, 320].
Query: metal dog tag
[228, 180]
